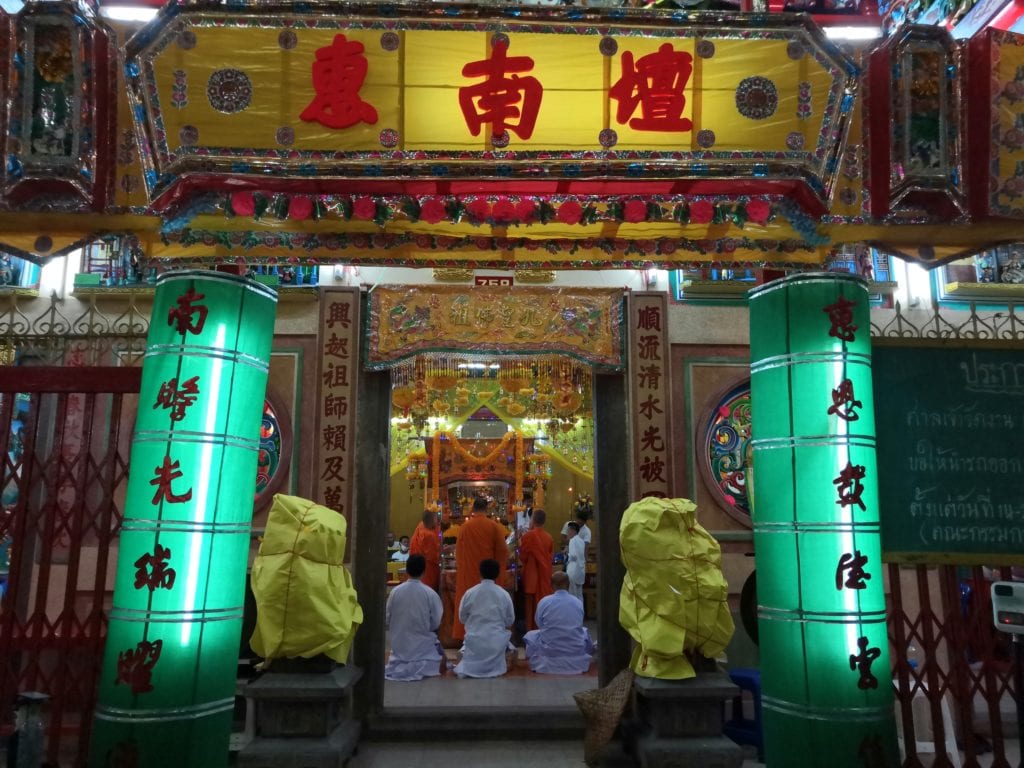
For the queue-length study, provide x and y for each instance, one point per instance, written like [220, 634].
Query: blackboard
[950, 435]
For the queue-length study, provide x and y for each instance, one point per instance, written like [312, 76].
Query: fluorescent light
[128, 12]
[852, 33]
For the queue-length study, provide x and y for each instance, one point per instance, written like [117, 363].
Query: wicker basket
[602, 710]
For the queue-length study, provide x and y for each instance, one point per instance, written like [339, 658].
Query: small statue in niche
[6, 270]
[985, 267]
[1013, 269]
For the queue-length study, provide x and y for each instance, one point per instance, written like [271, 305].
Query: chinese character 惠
[652, 440]
[862, 661]
[504, 99]
[854, 563]
[152, 571]
[649, 319]
[841, 316]
[649, 377]
[181, 315]
[849, 485]
[843, 402]
[649, 407]
[135, 666]
[657, 84]
[651, 469]
[176, 399]
[165, 473]
[338, 73]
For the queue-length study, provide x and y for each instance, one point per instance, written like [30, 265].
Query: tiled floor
[450, 691]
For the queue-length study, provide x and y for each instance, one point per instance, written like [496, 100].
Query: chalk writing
[936, 458]
[993, 378]
[959, 416]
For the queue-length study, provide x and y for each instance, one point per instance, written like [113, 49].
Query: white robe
[561, 645]
[576, 566]
[487, 612]
[413, 615]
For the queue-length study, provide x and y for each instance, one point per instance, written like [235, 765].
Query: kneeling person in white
[413, 615]
[561, 645]
[487, 612]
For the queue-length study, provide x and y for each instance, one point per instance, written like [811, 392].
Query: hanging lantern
[167, 692]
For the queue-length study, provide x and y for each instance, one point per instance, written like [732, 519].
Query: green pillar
[825, 675]
[168, 685]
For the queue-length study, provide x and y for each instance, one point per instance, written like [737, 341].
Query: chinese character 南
[849, 485]
[840, 315]
[152, 571]
[657, 84]
[504, 99]
[651, 469]
[170, 396]
[166, 473]
[181, 315]
[854, 563]
[338, 312]
[862, 661]
[649, 319]
[652, 440]
[844, 402]
[135, 666]
[648, 347]
[649, 377]
[338, 73]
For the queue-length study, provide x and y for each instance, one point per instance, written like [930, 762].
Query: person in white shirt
[576, 561]
[413, 614]
[486, 611]
[582, 528]
[561, 645]
[402, 555]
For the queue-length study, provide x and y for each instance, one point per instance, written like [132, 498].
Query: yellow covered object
[306, 604]
[674, 596]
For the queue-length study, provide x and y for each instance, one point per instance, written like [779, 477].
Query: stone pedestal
[678, 723]
[303, 719]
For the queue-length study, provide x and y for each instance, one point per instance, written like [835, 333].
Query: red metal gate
[953, 671]
[65, 437]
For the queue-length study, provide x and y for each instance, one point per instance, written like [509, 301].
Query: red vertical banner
[338, 376]
[648, 394]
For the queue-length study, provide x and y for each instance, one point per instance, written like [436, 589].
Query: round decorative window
[274, 452]
[723, 444]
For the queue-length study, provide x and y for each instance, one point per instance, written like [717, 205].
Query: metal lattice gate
[65, 437]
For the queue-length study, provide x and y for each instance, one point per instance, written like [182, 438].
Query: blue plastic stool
[738, 728]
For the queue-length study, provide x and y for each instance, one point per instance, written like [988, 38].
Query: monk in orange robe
[479, 539]
[536, 549]
[426, 542]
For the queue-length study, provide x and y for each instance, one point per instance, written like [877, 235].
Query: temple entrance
[517, 432]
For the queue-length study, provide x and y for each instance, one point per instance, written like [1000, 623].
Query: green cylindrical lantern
[827, 694]
[168, 686]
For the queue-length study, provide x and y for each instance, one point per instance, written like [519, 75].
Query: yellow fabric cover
[674, 596]
[306, 604]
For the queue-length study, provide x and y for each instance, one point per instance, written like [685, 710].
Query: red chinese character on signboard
[497, 99]
[651, 469]
[335, 376]
[338, 312]
[166, 473]
[135, 666]
[648, 347]
[649, 319]
[334, 466]
[841, 315]
[335, 405]
[844, 402]
[334, 437]
[657, 84]
[849, 486]
[649, 407]
[649, 378]
[336, 347]
[332, 498]
[181, 315]
[652, 440]
[176, 399]
[151, 570]
[338, 74]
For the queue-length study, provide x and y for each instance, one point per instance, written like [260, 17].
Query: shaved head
[560, 580]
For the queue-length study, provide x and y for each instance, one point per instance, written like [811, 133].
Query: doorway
[517, 432]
